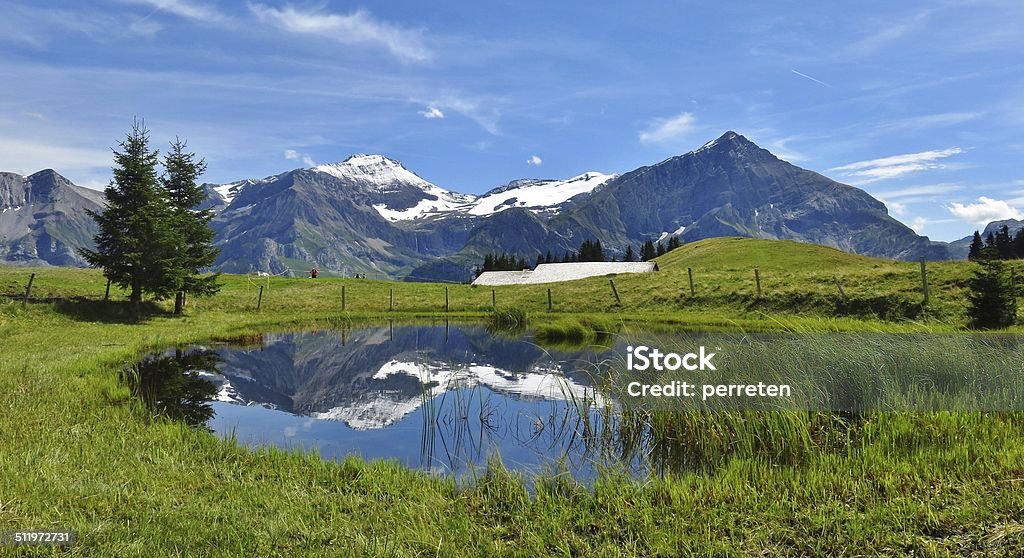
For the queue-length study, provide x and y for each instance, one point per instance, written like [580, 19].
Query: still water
[442, 398]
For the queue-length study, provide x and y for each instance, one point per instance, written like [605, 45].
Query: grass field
[78, 451]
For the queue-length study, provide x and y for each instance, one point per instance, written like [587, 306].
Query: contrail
[815, 80]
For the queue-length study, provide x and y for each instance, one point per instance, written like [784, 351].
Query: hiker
[313, 273]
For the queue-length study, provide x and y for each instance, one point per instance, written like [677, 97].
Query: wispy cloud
[357, 28]
[293, 155]
[534, 160]
[919, 191]
[432, 113]
[985, 211]
[927, 121]
[882, 35]
[483, 111]
[196, 11]
[26, 156]
[814, 79]
[873, 170]
[664, 129]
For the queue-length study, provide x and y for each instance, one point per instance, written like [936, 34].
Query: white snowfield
[382, 173]
[540, 195]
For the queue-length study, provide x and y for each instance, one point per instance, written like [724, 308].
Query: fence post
[259, 302]
[839, 286]
[757, 279]
[494, 299]
[107, 295]
[391, 300]
[689, 271]
[447, 306]
[343, 298]
[28, 291]
[615, 292]
[549, 300]
[924, 280]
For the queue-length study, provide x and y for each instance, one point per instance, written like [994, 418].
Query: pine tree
[991, 302]
[976, 247]
[136, 244]
[1003, 243]
[647, 252]
[1018, 244]
[631, 256]
[660, 249]
[197, 251]
[674, 243]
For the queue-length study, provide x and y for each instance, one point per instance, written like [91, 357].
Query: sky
[920, 104]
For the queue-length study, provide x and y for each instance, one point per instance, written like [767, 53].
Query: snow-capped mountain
[369, 214]
[537, 195]
[387, 175]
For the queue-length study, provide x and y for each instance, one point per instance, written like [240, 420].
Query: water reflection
[443, 398]
[178, 385]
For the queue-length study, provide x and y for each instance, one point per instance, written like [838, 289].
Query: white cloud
[482, 111]
[985, 211]
[896, 208]
[864, 172]
[186, 9]
[27, 156]
[432, 112]
[534, 160]
[919, 224]
[357, 28]
[293, 155]
[668, 128]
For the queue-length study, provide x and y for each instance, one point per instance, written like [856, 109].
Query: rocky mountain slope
[369, 214]
[43, 219]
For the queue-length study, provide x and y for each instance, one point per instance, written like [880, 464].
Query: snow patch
[539, 195]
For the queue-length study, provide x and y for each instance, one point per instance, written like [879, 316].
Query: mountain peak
[376, 169]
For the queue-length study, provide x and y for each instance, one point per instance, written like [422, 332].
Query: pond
[448, 398]
[443, 398]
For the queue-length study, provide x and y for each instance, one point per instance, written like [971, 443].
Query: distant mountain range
[369, 214]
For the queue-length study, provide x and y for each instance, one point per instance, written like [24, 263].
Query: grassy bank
[77, 451]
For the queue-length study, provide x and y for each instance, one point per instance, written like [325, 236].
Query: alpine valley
[369, 214]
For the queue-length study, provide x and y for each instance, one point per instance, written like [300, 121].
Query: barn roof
[556, 272]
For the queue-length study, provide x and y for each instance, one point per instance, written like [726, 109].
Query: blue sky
[922, 105]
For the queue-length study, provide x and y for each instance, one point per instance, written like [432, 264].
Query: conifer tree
[136, 244]
[630, 255]
[974, 254]
[991, 302]
[196, 251]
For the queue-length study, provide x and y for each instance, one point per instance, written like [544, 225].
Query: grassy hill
[734, 253]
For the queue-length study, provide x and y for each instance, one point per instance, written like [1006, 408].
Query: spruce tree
[136, 244]
[196, 251]
[660, 251]
[631, 256]
[647, 252]
[1004, 245]
[974, 254]
[991, 302]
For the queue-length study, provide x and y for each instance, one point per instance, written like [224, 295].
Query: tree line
[997, 246]
[153, 239]
[589, 251]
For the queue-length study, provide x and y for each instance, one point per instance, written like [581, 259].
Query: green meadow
[79, 451]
